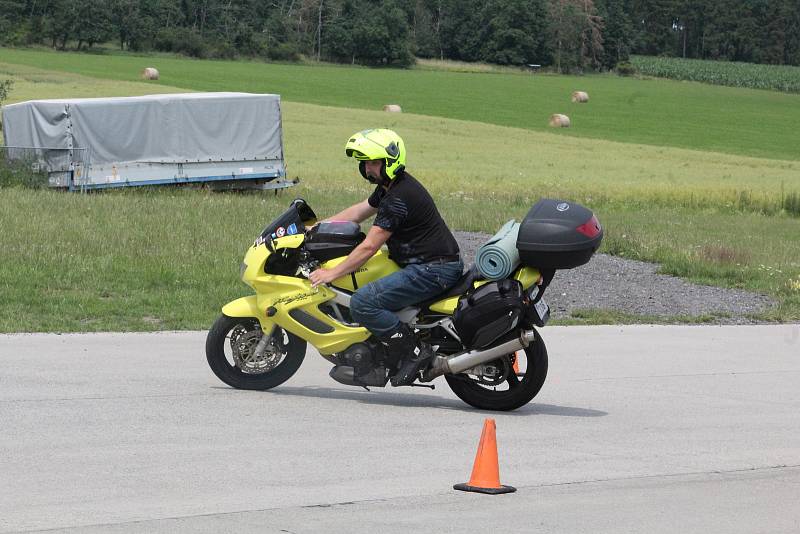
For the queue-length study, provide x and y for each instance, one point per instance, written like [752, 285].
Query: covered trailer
[232, 140]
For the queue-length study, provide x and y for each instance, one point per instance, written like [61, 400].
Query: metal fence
[66, 168]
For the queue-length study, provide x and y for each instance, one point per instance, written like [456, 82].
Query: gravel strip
[634, 287]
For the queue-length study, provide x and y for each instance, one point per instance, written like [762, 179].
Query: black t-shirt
[419, 234]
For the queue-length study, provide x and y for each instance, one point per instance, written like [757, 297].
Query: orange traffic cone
[485, 472]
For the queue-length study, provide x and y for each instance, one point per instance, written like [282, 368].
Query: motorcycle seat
[464, 283]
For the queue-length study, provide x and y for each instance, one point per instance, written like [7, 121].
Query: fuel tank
[376, 267]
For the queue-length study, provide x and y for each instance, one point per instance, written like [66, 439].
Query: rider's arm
[375, 239]
[356, 213]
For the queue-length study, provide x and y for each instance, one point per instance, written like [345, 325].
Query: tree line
[567, 35]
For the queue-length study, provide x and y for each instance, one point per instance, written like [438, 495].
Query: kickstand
[365, 387]
[430, 386]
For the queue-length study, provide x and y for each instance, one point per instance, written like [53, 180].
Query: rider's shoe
[412, 353]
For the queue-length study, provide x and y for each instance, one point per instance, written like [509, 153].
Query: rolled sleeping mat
[498, 257]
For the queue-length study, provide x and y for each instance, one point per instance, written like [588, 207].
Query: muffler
[466, 360]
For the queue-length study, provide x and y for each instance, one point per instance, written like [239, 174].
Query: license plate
[542, 312]
[533, 292]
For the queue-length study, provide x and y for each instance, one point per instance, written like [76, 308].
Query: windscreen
[294, 220]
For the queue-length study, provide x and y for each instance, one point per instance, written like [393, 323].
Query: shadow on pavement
[413, 399]
[563, 411]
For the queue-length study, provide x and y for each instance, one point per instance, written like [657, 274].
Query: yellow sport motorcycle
[483, 333]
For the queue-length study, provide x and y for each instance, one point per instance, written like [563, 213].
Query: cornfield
[773, 77]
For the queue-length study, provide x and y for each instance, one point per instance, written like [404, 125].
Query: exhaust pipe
[466, 360]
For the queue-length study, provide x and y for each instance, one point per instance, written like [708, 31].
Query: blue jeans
[373, 304]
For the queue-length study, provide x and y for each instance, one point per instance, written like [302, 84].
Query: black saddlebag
[489, 311]
[556, 234]
[330, 240]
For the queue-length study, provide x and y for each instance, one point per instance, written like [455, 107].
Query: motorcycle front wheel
[516, 385]
[231, 353]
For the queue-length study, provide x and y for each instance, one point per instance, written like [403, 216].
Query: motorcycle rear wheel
[240, 334]
[521, 388]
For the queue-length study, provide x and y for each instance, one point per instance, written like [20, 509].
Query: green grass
[746, 251]
[152, 260]
[168, 259]
[603, 316]
[32, 83]
[119, 261]
[474, 163]
[450, 65]
[18, 173]
[735, 74]
[677, 114]
[469, 162]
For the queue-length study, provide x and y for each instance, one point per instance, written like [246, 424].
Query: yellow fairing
[376, 267]
[288, 241]
[293, 303]
[527, 276]
[447, 306]
[296, 309]
[253, 263]
[256, 256]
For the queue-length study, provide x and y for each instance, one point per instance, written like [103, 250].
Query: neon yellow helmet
[378, 144]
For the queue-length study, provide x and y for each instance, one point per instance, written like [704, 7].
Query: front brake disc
[243, 348]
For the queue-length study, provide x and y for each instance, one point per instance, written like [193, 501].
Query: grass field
[141, 260]
[168, 259]
[662, 113]
[506, 165]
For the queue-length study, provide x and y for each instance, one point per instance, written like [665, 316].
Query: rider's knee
[360, 304]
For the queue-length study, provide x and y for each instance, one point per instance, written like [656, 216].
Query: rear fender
[527, 276]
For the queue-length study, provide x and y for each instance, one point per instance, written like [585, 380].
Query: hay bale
[150, 73]
[557, 120]
[580, 97]
[392, 108]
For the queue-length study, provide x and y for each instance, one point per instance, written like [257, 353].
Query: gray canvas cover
[174, 128]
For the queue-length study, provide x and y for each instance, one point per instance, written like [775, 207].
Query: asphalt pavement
[637, 429]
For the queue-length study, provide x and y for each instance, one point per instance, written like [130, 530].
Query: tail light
[590, 228]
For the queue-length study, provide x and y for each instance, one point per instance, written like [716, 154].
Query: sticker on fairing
[280, 232]
[292, 229]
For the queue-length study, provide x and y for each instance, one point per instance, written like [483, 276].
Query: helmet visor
[360, 156]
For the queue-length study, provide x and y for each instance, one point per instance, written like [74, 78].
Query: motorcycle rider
[407, 220]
